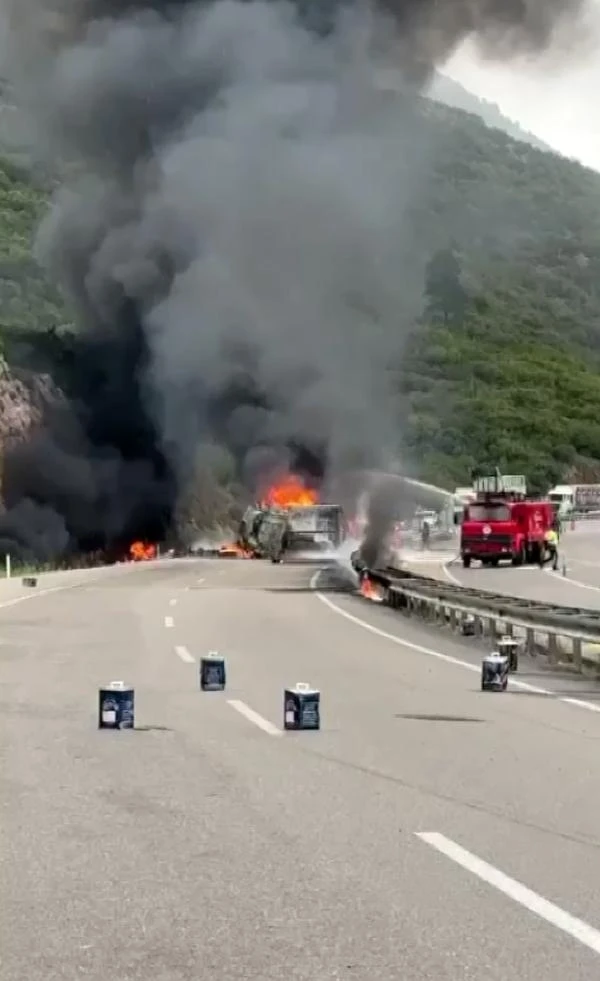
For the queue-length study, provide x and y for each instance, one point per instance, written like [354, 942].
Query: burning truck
[291, 521]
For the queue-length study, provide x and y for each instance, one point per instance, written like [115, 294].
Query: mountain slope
[503, 366]
[452, 93]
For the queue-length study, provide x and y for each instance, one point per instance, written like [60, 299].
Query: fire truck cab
[503, 523]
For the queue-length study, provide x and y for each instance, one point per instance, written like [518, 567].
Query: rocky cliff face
[24, 397]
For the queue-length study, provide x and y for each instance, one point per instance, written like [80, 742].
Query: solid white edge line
[385, 635]
[549, 572]
[254, 717]
[581, 703]
[574, 582]
[39, 592]
[169, 622]
[574, 927]
[184, 654]
[449, 575]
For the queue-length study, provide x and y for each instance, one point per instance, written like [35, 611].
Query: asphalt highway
[575, 584]
[428, 831]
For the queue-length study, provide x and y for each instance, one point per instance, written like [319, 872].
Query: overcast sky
[557, 99]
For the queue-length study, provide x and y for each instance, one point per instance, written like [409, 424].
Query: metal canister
[116, 708]
[212, 672]
[301, 707]
[510, 648]
[467, 625]
[494, 672]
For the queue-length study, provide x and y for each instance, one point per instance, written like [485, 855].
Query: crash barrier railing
[564, 634]
[582, 516]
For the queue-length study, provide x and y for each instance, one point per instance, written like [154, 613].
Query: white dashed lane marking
[254, 717]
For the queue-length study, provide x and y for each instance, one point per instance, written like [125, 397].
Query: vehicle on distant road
[582, 498]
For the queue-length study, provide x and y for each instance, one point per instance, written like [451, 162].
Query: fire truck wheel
[519, 557]
[466, 561]
[495, 563]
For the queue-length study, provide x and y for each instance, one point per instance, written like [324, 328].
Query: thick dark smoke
[233, 230]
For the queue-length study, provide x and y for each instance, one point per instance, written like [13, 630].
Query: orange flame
[233, 550]
[371, 591]
[290, 492]
[140, 552]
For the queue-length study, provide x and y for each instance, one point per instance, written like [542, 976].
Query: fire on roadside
[234, 551]
[142, 552]
[371, 590]
[290, 492]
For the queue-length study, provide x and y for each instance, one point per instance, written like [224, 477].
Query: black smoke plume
[233, 231]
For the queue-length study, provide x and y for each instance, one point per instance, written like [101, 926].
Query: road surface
[428, 831]
[577, 585]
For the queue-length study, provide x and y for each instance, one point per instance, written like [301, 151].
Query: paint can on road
[494, 672]
[212, 672]
[116, 706]
[510, 648]
[301, 707]
[467, 625]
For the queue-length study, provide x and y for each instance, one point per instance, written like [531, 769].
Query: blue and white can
[494, 672]
[301, 707]
[116, 706]
[212, 672]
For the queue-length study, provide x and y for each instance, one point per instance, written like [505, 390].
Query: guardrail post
[472, 614]
[553, 648]
[530, 641]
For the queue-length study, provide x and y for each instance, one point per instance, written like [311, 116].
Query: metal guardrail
[561, 632]
[533, 612]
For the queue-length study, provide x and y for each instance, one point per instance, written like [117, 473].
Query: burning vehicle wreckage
[289, 521]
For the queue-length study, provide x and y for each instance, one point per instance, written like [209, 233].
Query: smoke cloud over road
[234, 231]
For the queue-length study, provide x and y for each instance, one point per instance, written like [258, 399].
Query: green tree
[445, 295]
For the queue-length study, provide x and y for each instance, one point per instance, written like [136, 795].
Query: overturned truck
[302, 531]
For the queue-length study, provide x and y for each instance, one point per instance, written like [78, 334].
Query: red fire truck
[503, 523]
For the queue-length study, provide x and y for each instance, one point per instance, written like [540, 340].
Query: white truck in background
[580, 498]
[461, 497]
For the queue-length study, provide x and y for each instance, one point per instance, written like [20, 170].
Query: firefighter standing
[550, 553]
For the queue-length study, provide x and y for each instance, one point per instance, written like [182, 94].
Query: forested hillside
[503, 367]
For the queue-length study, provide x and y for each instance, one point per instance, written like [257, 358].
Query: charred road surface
[427, 831]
